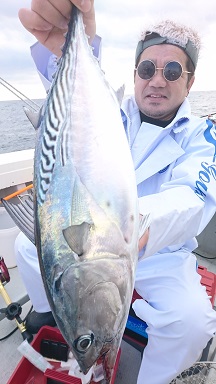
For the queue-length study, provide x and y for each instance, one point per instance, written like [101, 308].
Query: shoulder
[199, 126]
[129, 106]
[188, 124]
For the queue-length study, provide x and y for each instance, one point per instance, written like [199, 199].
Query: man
[173, 154]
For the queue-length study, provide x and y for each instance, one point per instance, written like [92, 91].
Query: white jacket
[176, 176]
[175, 168]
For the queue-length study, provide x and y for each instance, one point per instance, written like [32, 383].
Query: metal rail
[34, 105]
[20, 95]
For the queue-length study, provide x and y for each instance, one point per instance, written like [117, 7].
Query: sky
[119, 23]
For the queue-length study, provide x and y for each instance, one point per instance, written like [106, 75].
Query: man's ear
[190, 83]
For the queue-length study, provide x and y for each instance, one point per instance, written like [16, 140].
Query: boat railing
[31, 103]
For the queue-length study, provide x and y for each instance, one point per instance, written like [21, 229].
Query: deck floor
[9, 356]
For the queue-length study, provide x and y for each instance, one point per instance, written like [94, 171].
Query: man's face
[157, 97]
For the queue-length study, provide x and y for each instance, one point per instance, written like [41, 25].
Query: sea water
[17, 133]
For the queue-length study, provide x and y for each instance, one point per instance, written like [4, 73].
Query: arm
[186, 203]
[48, 23]
[46, 61]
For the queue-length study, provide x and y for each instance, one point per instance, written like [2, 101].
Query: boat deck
[9, 356]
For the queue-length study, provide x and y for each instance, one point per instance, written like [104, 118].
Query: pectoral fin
[76, 237]
[120, 94]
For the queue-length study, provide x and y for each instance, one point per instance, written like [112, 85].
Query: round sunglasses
[172, 71]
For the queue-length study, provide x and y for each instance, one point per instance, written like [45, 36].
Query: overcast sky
[119, 22]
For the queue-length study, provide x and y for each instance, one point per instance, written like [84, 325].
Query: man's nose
[158, 79]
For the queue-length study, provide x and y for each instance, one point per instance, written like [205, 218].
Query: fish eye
[83, 343]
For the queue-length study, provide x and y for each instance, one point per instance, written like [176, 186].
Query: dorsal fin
[34, 117]
[120, 94]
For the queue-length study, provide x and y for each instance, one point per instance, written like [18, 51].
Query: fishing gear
[13, 310]
[203, 372]
[209, 114]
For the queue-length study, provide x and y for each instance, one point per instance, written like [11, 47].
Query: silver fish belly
[86, 209]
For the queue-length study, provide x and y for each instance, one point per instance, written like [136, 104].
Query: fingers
[32, 20]
[87, 7]
[44, 12]
[83, 5]
[48, 20]
[48, 35]
[143, 240]
[55, 12]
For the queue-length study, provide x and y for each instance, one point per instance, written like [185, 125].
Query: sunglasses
[172, 71]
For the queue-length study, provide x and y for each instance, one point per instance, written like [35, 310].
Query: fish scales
[86, 208]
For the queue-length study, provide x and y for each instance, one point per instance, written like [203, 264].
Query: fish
[85, 205]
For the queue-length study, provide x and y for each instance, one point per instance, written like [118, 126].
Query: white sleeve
[46, 61]
[175, 216]
[186, 203]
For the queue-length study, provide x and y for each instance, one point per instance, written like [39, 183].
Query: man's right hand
[47, 20]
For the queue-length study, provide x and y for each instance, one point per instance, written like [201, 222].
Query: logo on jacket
[207, 171]
[210, 135]
[164, 169]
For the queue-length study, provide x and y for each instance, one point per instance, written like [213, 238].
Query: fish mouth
[102, 359]
[95, 332]
[84, 342]
[82, 345]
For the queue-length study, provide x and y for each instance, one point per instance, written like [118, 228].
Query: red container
[26, 373]
[208, 279]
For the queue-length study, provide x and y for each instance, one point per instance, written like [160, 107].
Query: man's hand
[143, 239]
[47, 20]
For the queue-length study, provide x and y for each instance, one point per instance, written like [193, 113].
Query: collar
[150, 120]
[183, 115]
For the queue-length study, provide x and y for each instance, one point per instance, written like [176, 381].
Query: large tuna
[86, 211]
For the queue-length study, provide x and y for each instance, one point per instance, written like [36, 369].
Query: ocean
[17, 133]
